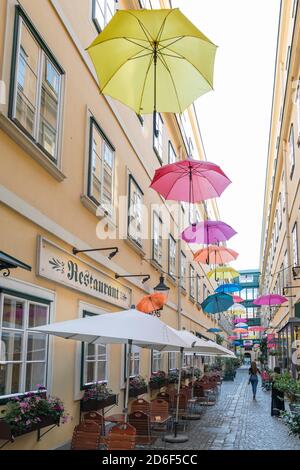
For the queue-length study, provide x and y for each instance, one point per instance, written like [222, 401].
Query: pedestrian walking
[253, 379]
[277, 401]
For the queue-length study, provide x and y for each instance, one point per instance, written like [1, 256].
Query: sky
[235, 118]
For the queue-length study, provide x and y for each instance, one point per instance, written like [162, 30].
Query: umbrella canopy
[208, 232]
[256, 328]
[239, 330]
[215, 255]
[223, 272]
[270, 299]
[214, 330]
[153, 60]
[190, 181]
[232, 337]
[229, 288]
[125, 327]
[237, 299]
[152, 302]
[241, 325]
[216, 303]
[194, 344]
[239, 319]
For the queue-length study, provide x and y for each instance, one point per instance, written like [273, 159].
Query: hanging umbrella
[153, 60]
[237, 299]
[229, 288]
[256, 328]
[190, 181]
[215, 255]
[232, 337]
[152, 302]
[239, 319]
[214, 330]
[239, 330]
[216, 303]
[125, 327]
[223, 272]
[208, 232]
[270, 299]
[241, 325]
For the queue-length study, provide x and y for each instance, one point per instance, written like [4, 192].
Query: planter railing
[8, 435]
[92, 404]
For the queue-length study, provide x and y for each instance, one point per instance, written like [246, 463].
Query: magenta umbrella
[256, 328]
[208, 232]
[190, 181]
[270, 299]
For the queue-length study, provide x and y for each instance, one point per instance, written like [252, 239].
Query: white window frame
[44, 54]
[298, 109]
[133, 231]
[103, 6]
[107, 207]
[157, 254]
[192, 282]
[158, 140]
[291, 150]
[198, 289]
[172, 360]
[24, 298]
[156, 361]
[183, 269]
[295, 246]
[172, 250]
[172, 157]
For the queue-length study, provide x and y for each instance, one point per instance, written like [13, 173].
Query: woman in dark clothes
[277, 403]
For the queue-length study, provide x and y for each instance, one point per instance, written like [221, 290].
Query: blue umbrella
[214, 330]
[229, 288]
[217, 303]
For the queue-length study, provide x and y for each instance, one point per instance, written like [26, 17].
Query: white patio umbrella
[124, 327]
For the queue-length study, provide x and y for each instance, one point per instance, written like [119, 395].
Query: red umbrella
[237, 299]
[190, 181]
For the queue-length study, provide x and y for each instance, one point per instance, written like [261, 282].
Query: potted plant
[30, 413]
[292, 420]
[157, 380]
[186, 373]
[97, 397]
[173, 376]
[291, 388]
[197, 373]
[137, 386]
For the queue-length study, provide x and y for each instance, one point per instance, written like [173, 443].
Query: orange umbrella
[152, 302]
[239, 330]
[215, 255]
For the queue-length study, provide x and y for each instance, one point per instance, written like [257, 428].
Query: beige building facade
[280, 230]
[75, 173]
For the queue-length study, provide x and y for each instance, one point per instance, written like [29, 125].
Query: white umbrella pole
[129, 348]
[193, 374]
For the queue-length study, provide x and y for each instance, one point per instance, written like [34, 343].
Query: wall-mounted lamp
[113, 251]
[161, 286]
[145, 277]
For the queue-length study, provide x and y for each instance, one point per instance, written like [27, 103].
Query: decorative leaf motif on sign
[57, 265]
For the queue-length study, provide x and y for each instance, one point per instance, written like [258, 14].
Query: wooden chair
[164, 396]
[121, 437]
[141, 422]
[140, 405]
[159, 407]
[86, 436]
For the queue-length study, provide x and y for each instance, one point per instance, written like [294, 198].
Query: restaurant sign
[58, 265]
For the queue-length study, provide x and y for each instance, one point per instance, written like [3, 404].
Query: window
[198, 289]
[157, 239]
[101, 168]
[298, 109]
[172, 360]
[35, 104]
[103, 11]
[204, 291]
[134, 368]
[135, 206]
[23, 354]
[245, 278]
[158, 139]
[156, 361]
[280, 210]
[295, 245]
[192, 282]
[291, 151]
[183, 269]
[172, 257]
[172, 155]
[94, 362]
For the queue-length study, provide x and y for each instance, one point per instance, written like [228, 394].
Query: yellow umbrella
[223, 272]
[153, 60]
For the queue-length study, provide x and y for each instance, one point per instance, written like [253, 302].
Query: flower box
[157, 385]
[135, 392]
[7, 434]
[92, 404]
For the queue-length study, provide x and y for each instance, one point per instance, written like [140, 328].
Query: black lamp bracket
[114, 250]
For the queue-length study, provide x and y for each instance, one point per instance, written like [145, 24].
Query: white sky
[235, 117]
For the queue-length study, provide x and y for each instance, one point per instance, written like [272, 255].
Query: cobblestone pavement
[238, 422]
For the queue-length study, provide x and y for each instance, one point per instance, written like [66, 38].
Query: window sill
[98, 211]
[135, 247]
[6, 398]
[172, 280]
[29, 147]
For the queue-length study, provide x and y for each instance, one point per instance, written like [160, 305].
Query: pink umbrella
[256, 328]
[208, 232]
[215, 255]
[190, 181]
[237, 299]
[232, 337]
[270, 299]
[238, 320]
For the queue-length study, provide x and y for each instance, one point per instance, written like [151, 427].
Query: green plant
[158, 377]
[291, 387]
[292, 420]
[22, 413]
[197, 373]
[137, 382]
[173, 376]
[98, 391]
